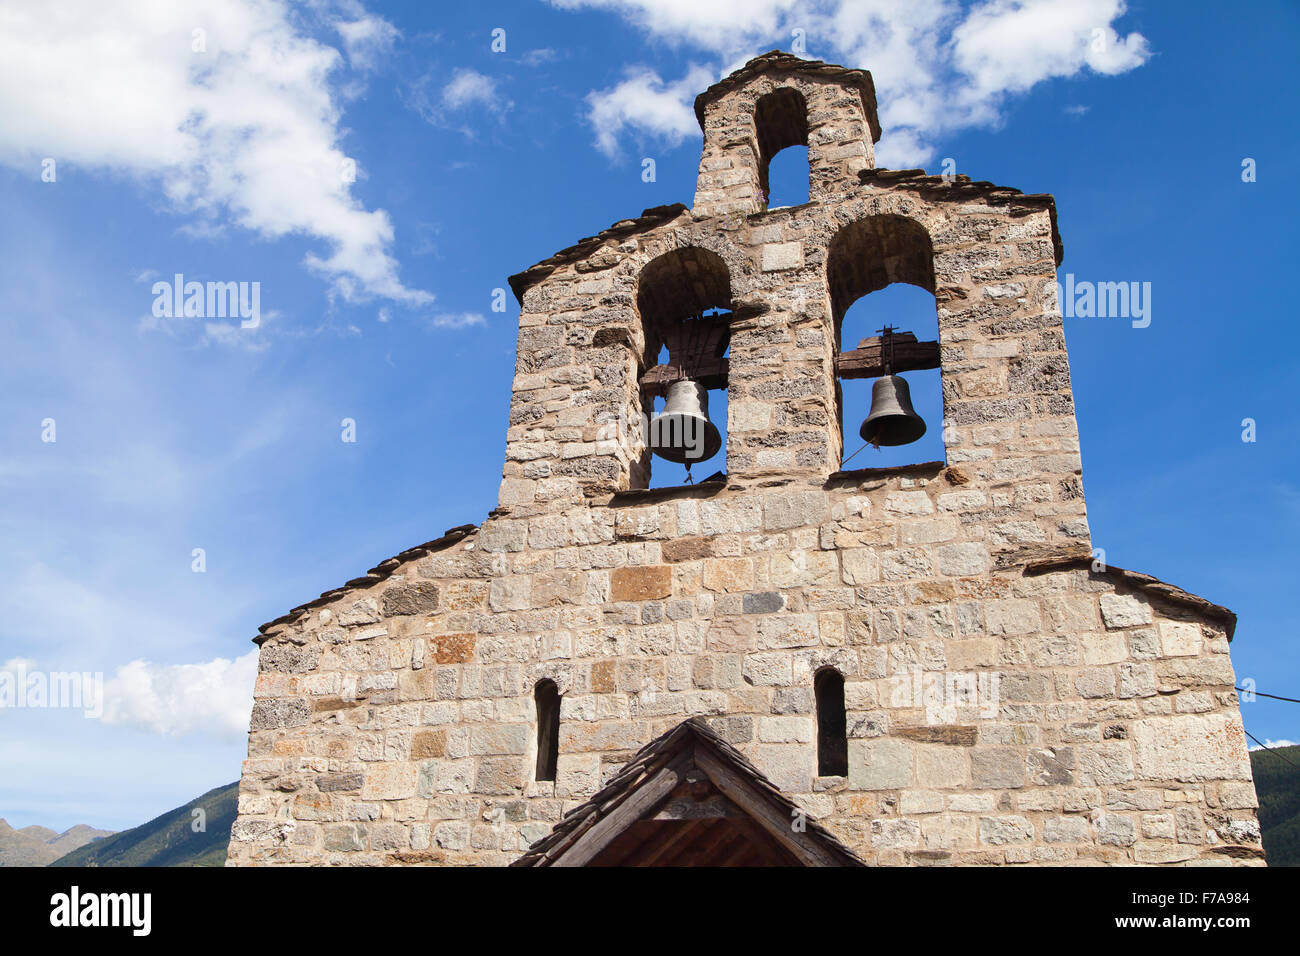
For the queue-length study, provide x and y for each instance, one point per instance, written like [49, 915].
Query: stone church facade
[1007, 697]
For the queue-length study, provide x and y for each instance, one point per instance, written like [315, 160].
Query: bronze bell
[682, 432]
[892, 420]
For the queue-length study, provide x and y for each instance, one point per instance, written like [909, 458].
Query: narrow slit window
[832, 725]
[547, 697]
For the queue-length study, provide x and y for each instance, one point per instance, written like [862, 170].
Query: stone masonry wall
[396, 724]
[1001, 710]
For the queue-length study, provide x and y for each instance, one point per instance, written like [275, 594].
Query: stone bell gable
[926, 661]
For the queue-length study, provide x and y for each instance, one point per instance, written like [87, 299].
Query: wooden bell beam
[867, 360]
[695, 351]
[709, 372]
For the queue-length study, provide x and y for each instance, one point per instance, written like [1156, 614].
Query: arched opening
[904, 307]
[780, 123]
[546, 696]
[880, 272]
[832, 724]
[787, 177]
[684, 300]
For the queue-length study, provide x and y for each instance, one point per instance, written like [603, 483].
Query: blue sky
[230, 163]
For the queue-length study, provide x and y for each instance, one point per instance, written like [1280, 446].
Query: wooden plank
[757, 849]
[710, 372]
[866, 361]
[628, 846]
[733, 838]
[643, 799]
[701, 848]
[671, 838]
[761, 811]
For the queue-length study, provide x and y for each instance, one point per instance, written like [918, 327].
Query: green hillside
[168, 840]
[1277, 784]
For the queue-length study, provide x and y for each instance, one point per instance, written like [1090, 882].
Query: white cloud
[457, 320]
[467, 92]
[472, 88]
[938, 66]
[367, 40]
[644, 102]
[1275, 744]
[1008, 46]
[238, 122]
[215, 697]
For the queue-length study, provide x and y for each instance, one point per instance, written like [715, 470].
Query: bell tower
[751, 300]
[929, 659]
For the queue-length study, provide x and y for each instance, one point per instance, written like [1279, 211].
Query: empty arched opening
[546, 697]
[781, 123]
[832, 724]
[880, 272]
[684, 300]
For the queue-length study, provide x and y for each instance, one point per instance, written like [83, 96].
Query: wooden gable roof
[688, 798]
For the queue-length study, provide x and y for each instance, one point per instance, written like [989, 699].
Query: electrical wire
[1270, 749]
[1260, 693]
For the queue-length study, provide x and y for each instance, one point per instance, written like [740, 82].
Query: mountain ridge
[38, 845]
[169, 839]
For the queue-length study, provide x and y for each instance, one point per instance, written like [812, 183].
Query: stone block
[1180, 639]
[860, 566]
[879, 764]
[390, 781]
[793, 509]
[962, 560]
[649, 583]
[997, 768]
[418, 598]
[1068, 829]
[728, 574]
[454, 648]
[1124, 610]
[778, 256]
[999, 831]
[1191, 748]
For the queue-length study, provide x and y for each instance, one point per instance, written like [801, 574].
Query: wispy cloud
[472, 88]
[451, 102]
[539, 56]
[226, 104]
[457, 320]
